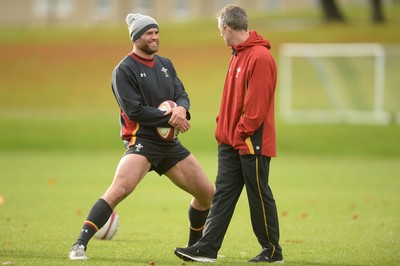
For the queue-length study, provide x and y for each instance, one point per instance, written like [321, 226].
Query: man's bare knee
[204, 200]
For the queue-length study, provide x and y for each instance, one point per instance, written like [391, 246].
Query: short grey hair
[234, 17]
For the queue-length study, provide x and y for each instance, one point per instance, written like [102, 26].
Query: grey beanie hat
[139, 24]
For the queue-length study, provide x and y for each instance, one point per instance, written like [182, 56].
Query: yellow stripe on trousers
[263, 209]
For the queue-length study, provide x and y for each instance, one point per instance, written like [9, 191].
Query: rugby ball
[109, 229]
[167, 133]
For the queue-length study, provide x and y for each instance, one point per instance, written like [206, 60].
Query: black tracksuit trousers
[235, 171]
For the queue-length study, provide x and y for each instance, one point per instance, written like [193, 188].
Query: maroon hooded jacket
[246, 117]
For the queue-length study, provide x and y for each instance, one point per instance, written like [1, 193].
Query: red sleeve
[259, 95]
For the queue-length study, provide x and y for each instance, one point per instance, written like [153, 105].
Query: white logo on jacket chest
[238, 72]
[142, 75]
[163, 69]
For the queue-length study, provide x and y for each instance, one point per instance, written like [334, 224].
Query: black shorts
[162, 155]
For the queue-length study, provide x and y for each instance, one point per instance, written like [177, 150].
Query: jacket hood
[254, 39]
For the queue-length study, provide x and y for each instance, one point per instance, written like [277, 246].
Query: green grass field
[337, 187]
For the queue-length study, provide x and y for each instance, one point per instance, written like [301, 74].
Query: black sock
[98, 216]
[197, 220]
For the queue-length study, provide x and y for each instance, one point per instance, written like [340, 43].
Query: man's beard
[149, 50]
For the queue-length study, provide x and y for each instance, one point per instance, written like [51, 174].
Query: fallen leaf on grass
[294, 241]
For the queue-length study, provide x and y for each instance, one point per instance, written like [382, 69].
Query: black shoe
[192, 253]
[264, 256]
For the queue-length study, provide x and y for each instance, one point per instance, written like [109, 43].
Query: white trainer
[77, 253]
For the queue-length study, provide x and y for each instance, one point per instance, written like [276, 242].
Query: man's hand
[178, 119]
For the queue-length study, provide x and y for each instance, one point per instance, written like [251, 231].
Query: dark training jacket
[139, 86]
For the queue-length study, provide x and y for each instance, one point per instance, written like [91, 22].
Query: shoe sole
[186, 257]
[270, 262]
[78, 258]
[71, 257]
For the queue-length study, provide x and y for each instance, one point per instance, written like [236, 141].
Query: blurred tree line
[332, 11]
